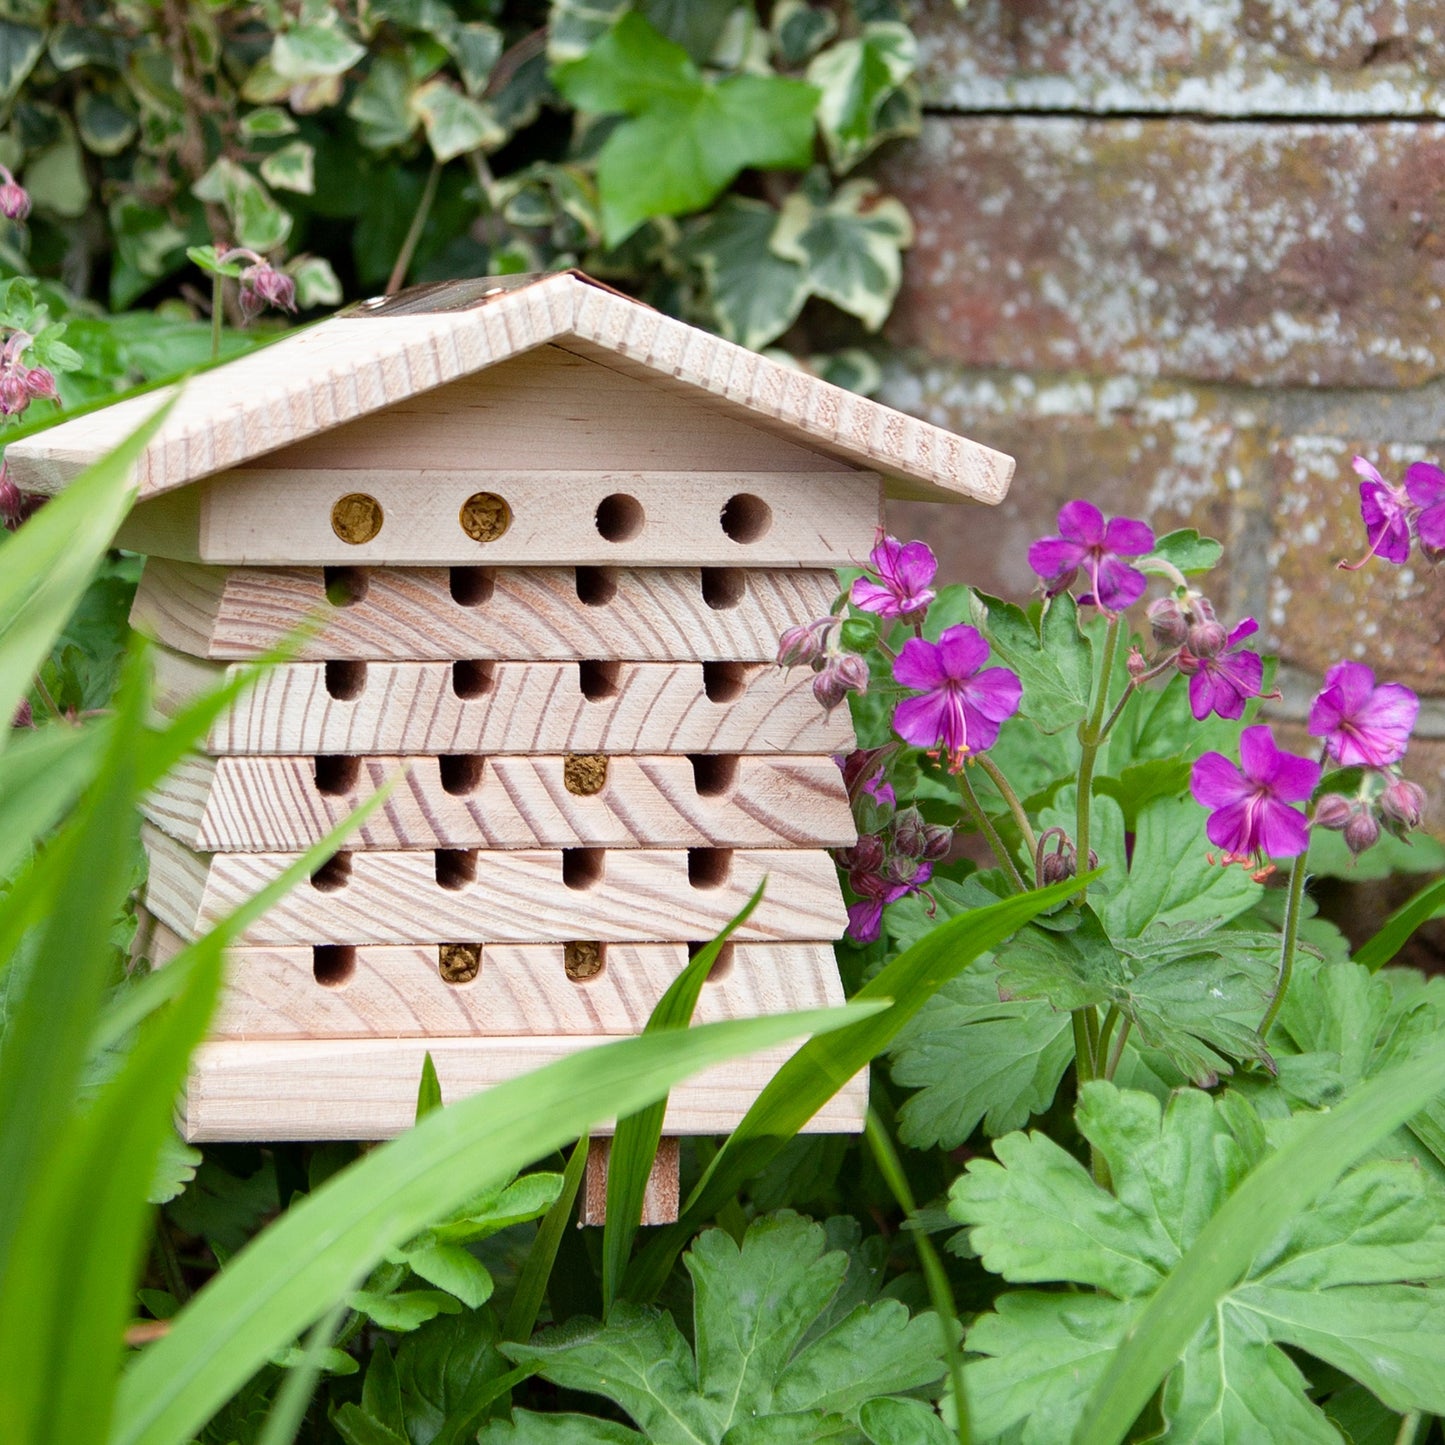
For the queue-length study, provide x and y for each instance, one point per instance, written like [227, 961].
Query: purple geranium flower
[904, 571]
[1224, 681]
[1363, 725]
[1385, 512]
[962, 707]
[1087, 543]
[865, 918]
[1250, 813]
[1425, 486]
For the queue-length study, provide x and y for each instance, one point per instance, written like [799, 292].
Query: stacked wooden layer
[594, 767]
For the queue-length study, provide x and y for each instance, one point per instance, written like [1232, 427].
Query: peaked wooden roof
[379, 352]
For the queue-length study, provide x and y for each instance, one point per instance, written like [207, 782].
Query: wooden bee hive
[548, 539]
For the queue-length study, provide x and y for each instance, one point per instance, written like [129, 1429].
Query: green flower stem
[1286, 956]
[413, 236]
[1117, 1052]
[1106, 1032]
[940, 1293]
[1091, 1028]
[1409, 1428]
[217, 282]
[1083, 1054]
[1090, 738]
[1012, 799]
[990, 833]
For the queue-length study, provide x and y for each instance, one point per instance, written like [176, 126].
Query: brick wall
[1187, 259]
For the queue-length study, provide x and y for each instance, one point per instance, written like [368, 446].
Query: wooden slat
[644, 614]
[520, 989]
[529, 707]
[366, 1088]
[259, 805]
[708, 518]
[660, 1197]
[643, 896]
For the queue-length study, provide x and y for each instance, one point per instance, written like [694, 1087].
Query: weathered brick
[1216, 57]
[1289, 254]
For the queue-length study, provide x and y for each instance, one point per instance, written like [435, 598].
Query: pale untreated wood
[528, 613]
[519, 989]
[660, 1198]
[259, 805]
[522, 896]
[360, 364]
[525, 707]
[366, 1088]
[710, 517]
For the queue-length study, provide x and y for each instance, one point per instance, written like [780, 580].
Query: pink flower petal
[1081, 522]
[868, 595]
[1258, 753]
[920, 720]
[1215, 782]
[1230, 828]
[1424, 484]
[1054, 557]
[913, 567]
[962, 650]
[1128, 538]
[919, 664]
[1280, 831]
[995, 693]
[1247, 628]
[1367, 471]
[1430, 526]
[1117, 585]
[1385, 522]
[1295, 778]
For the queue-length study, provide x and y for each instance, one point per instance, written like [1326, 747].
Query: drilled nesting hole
[584, 960]
[722, 965]
[485, 516]
[584, 773]
[472, 586]
[472, 679]
[596, 586]
[746, 518]
[709, 867]
[460, 773]
[356, 517]
[346, 586]
[333, 875]
[599, 680]
[582, 867]
[459, 962]
[723, 587]
[345, 681]
[724, 681]
[619, 517]
[714, 774]
[337, 776]
[456, 868]
[332, 964]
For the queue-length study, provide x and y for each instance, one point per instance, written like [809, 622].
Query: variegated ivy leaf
[859, 79]
[851, 368]
[309, 51]
[20, 47]
[755, 294]
[851, 247]
[316, 282]
[292, 168]
[267, 122]
[106, 125]
[381, 106]
[575, 26]
[799, 29]
[259, 222]
[56, 177]
[455, 123]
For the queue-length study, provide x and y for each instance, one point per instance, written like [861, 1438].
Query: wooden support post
[660, 1199]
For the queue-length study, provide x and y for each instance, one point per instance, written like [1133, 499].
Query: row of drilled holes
[713, 774]
[722, 587]
[582, 868]
[599, 681]
[333, 965]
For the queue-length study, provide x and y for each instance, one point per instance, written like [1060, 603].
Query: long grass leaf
[822, 1066]
[289, 1407]
[634, 1145]
[1397, 929]
[296, 1269]
[1286, 1184]
[532, 1282]
[42, 776]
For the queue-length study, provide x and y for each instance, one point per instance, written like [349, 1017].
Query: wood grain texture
[520, 990]
[522, 896]
[649, 614]
[259, 805]
[359, 364]
[660, 1199]
[786, 519]
[263, 1089]
[528, 707]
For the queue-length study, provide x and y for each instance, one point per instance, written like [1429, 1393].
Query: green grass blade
[42, 776]
[289, 1407]
[1284, 1185]
[1428, 903]
[634, 1146]
[532, 1282]
[48, 563]
[822, 1066]
[296, 1269]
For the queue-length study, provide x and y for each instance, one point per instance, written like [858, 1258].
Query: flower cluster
[21, 384]
[1393, 515]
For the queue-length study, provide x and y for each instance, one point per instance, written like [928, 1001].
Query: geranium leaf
[1053, 658]
[1192, 554]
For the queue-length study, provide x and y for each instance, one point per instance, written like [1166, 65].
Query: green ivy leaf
[455, 123]
[106, 127]
[851, 247]
[20, 47]
[1053, 658]
[266, 122]
[1337, 1282]
[800, 29]
[260, 223]
[857, 78]
[755, 294]
[308, 52]
[381, 106]
[292, 168]
[1192, 554]
[768, 1346]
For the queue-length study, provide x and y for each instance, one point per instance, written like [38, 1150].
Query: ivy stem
[1090, 739]
[1117, 1052]
[217, 281]
[413, 234]
[990, 833]
[1012, 799]
[1286, 956]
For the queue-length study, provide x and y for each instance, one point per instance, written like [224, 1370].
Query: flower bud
[802, 646]
[1207, 639]
[14, 397]
[1403, 802]
[1167, 622]
[1333, 811]
[843, 674]
[40, 382]
[1137, 665]
[900, 870]
[1361, 832]
[1055, 867]
[262, 285]
[937, 840]
[12, 504]
[14, 198]
[866, 855]
[24, 715]
[910, 837]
